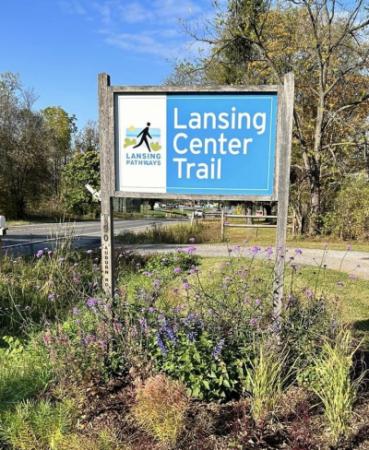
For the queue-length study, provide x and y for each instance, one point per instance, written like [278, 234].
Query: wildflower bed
[185, 356]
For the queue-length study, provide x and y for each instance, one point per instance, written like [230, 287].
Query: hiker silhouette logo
[143, 139]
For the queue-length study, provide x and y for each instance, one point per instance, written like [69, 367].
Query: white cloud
[73, 7]
[151, 27]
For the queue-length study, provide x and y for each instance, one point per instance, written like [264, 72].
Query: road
[28, 239]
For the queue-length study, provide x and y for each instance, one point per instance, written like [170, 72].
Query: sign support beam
[285, 118]
[106, 152]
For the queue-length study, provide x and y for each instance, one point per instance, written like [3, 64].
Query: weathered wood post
[222, 226]
[285, 119]
[107, 180]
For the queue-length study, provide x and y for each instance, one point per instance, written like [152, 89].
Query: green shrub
[37, 425]
[24, 371]
[306, 322]
[44, 287]
[350, 216]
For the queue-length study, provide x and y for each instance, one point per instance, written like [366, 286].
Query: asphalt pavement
[28, 239]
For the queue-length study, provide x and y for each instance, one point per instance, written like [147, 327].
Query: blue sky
[59, 46]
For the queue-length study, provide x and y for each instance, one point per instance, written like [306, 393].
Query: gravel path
[351, 262]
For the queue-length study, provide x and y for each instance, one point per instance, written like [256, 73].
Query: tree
[327, 48]
[24, 169]
[83, 168]
[88, 138]
[60, 126]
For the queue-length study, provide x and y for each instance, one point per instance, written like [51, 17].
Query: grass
[333, 384]
[37, 425]
[209, 232]
[351, 296]
[24, 371]
[264, 381]
[160, 408]
[267, 236]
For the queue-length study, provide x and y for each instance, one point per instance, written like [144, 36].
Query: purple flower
[255, 250]
[39, 254]
[218, 349]
[257, 302]
[193, 270]
[191, 335]
[269, 252]
[298, 251]
[161, 345]
[309, 293]
[190, 250]
[169, 332]
[186, 285]
[88, 339]
[156, 283]
[143, 324]
[177, 270]
[253, 322]
[91, 302]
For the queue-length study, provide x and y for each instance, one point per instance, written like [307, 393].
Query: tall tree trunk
[315, 168]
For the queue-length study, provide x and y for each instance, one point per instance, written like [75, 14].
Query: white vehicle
[3, 227]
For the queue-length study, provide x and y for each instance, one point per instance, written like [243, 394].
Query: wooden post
[284, 142]
[222, 226]
[107, 183]
[192, 218]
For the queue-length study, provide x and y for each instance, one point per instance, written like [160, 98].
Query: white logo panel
[142, 143]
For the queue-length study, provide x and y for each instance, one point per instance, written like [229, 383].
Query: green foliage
[37, 425]
[305, 322]
[24, 154]
[264, 380]
[79, 347]
[207, 375]
[82, 169]
[44, 288]
[350, 216]
[333, 384]
[24, 371]
[173, 234]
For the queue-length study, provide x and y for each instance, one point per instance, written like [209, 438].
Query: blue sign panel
[221, 144]
[203, 144]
